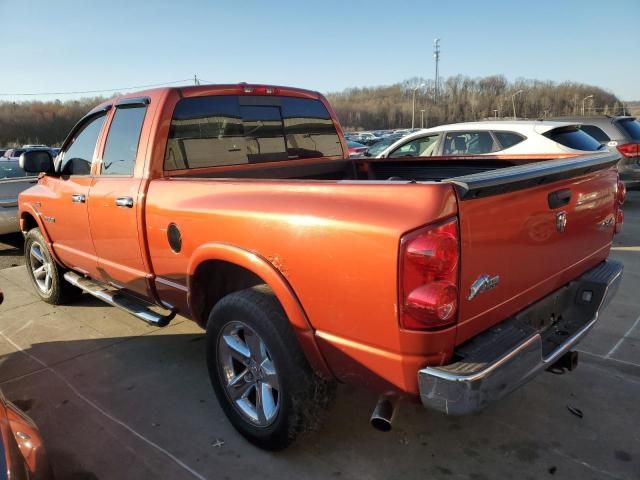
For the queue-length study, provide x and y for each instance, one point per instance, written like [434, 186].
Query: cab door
[64, 209]
[115, 209]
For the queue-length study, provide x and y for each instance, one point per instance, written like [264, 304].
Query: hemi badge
[484, 283]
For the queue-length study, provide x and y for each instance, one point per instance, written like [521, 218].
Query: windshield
[378, 147]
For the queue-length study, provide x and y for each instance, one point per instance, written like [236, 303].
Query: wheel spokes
[37, 254]
[40, 272]
[237, 349]
[255, 345]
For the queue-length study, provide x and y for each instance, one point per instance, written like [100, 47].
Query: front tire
[258, 371]
[45, 274]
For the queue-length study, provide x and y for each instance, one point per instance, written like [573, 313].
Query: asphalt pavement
[116, 399]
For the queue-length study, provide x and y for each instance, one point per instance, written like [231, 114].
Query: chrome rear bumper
[504, 357]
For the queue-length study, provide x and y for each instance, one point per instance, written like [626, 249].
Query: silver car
[13, 180]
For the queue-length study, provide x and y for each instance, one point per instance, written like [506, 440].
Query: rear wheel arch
[234, 269]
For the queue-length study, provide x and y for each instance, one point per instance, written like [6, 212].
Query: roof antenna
[195, 80]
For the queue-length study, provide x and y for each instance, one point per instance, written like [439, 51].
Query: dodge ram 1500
[448, 280]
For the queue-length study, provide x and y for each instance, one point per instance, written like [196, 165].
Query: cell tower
[436, 55]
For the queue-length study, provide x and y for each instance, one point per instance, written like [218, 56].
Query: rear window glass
[632, 127]
[232, 130]
[596, 133]
[508, 139]
[574, 138]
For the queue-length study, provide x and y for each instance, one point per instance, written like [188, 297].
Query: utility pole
[583, 100]
[421, 118]
[513, 102]
[495, 114]
[195, 80]
[436, 55]
[413, 109]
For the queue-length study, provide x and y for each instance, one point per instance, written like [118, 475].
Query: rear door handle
[78, 198]
[124, 202]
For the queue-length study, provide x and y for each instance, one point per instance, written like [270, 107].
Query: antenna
[436, 55]
[195, 80]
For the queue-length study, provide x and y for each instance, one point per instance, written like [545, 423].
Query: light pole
[413, 110]
[513, 102]
[421, 118]
[584, 100]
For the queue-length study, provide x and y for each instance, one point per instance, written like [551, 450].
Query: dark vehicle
[621, 133]
[14, 152]
[2, 151]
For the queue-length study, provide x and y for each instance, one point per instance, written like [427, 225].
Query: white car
[490, 138]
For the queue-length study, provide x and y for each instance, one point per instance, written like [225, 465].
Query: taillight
[629, 149]
[621, 195]
[429, 277]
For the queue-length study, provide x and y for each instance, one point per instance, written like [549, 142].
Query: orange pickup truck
[449, 280]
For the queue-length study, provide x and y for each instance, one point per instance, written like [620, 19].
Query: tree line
[461, 99]
[457, 99]
[38, 122]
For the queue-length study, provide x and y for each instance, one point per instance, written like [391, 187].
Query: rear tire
[45, 274]
[256, 363]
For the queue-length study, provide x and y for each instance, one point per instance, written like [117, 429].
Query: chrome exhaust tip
[382, 415]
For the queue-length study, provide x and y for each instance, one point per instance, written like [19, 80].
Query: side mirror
[36, 161]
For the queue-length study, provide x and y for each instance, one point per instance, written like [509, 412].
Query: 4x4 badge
[482, 284]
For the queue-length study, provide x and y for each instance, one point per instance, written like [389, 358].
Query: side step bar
[120, 300]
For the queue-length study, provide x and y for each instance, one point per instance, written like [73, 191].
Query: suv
[622, 133]
[521, 137]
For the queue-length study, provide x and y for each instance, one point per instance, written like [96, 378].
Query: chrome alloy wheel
[41, 267]
[248, 374]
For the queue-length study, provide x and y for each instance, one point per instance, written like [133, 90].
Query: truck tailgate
[527, 230]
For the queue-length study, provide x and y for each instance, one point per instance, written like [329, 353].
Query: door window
[77, 158]
[121, 148]
[469, 143]
[419, 147]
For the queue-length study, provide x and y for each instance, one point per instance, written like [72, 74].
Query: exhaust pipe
[568, 362]
[382, 415]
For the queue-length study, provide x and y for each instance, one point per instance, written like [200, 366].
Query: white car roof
[520, 126]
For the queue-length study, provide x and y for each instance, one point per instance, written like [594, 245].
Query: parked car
[14, 153]
[2, 152]
[521, 137]
[356, 148]
[305, 266]
[23, 456]
[13, 180]
[619, 133]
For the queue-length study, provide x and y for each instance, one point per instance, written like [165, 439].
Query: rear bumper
[506, 356]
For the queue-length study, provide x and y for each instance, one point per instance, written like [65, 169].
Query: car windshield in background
[378, 147]
[573, 137]
[11, 169]
[632, 127]
[352, 144]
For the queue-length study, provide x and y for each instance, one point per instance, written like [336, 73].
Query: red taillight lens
[629, 150]
[429, 277]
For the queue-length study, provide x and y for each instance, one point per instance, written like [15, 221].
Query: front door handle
[78, 198]
[124, 202]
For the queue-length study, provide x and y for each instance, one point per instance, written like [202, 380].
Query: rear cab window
[224, 130]
[574, 138]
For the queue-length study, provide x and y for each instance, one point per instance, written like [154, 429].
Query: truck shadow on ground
[93, 408]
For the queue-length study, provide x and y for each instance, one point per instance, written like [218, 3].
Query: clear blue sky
[325, 45]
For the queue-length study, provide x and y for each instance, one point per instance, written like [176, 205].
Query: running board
[120, 300]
